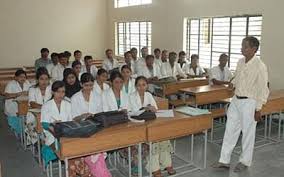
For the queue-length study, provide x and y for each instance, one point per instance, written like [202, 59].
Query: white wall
[29, 25]
[167, 20]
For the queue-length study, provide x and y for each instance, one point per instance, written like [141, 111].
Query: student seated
[38, 95]
[157, 54]
[128, 61]
[135, 59]
[171, 68]
[78, 56]
[161, 152]
[110, 63]
[141, 61]
[164, 56]
[182, 61]
[128, 82]
[14, 89]
[57, 71]
[43, 61]
[220, 74]
[72, 84]
[114, 98]
[194, 70]
[68, 55]
[54, 60]
[76, 66]
[100, 84]
[89, 67]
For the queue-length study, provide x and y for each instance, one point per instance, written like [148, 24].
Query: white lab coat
[108, 65]
[199, 71]
[158, 62]
[184, 67]
[11, 106]
[144, 71]
[140, 64]
[132, 66]
[218, 74]
[134, 103]
[57, 72]
[80, 106]
[109, 100]
[50, 114]
[49, 67]
[131, 86]
[98, 89]
[36, 96]
[168, 71]
[93, 70]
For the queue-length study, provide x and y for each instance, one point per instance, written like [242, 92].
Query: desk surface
[204, 89]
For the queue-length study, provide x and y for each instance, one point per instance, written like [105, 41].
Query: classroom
[141, 88]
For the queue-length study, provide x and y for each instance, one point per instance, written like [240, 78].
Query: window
[133, 34]
[126, 3]
[210, 37]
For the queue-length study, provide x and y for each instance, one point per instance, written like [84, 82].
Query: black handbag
[76, 129]
[147, 115]
[110, 118]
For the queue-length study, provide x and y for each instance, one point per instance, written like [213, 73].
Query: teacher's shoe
[240, 167]
[220, 165]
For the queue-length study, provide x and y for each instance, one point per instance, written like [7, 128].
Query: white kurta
[80, 106]
[11, 106]
[218, 74]
[134, 103]
[131, 86]
[50, 114]
[108, 65]
[168, 71]
[93, 70]
[57, 72]
[110, 103]
[98, 89]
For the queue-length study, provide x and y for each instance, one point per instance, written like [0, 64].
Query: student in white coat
[110, 63]
[182, 61]
[194, 70]
[89, 67]
[141, 63]
[151, 72]
[38, 95]
[100, 84]
[135, 59]
[54, 60]
[114, 98]
[77, 68]
[172, 68]
[78, 56]
[86, 102]
[251, 93]
[57, 71]
[129, 62]
[128, 82]
[157, 54]
[220, 74]
[161, 152]
[14, 89]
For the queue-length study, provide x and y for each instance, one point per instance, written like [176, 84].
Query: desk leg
[150, 159]
[205, 149]
[38, 149]
[270, 124]
[192, 148]
[140, 160]
[212, 130]
[129, 161]
[24, 134]
[59, 168]
[51, 168]
[66, 168]
[265, 127]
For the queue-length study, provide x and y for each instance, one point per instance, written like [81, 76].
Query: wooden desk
[208, 94]
[275, 102]
[174, 87]
[162, 103]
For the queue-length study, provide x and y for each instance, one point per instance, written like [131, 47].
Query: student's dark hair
[87, 77]
[67, 72]
[165, 51]
[149, 57]
[54, 55]
[75, 63]
[107, 50]
[132, 49]
[144, 48]
[125, 67]
[114, 75]
[181, 53]
[77, 51]
[20, 72]
[193, 56]
[128, 52]
[88, 57]
[172, 53]
[62, 55]
[253, 42]
[44, 50]
[57, 85]
[101, 71]
[223, 55]
[157, 50]
[140, 78]
[41, 71]
[68, 54]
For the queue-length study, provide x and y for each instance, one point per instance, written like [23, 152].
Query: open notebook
[192, 111]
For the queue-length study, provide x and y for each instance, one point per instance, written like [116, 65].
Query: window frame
[129, 4]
